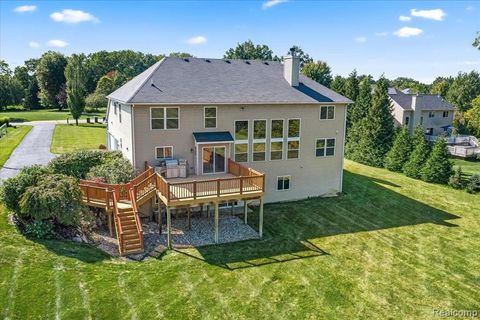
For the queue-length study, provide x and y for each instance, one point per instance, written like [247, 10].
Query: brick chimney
[291, 69]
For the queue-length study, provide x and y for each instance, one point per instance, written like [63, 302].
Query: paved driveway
[34, 149]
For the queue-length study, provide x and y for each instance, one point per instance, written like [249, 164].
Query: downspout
[343, 147]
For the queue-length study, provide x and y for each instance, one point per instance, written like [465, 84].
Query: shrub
[4, 120]
[78, 164]
[473, 184]
[95, 101]
[13, 188]
[456, 179]
[41, 229]
[400, 151]
[16, 107]
[55, 197]
[115, 171]
[438, 167]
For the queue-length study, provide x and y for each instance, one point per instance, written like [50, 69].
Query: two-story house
[215, 113]
[431, 112]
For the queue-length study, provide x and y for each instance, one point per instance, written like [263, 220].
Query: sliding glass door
[213, 159]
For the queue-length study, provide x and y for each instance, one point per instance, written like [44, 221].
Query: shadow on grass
[289, 227]
[83, 252]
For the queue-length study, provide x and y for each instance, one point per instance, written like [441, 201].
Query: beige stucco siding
[310, 176]
[121, 130]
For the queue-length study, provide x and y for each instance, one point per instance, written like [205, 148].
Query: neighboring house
[264, 115]
[430, 111]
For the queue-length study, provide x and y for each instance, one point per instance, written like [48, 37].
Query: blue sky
[430, 39]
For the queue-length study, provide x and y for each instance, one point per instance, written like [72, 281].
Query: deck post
[245, 211]
[169, 228]
[159, 217]
[260, 221]
[216, 222]
[110, 228]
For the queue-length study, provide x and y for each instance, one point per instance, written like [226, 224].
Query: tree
[11, 90]
[402, 83]
[400, 151]
[476, 41]
[76, 75]
[463, 90]
[31, 95]
[376, 131]
[472, 117]
[318, 71]
[438, 167]
[249, 51]
[304, 57]
[441, 85]
[362, 104]
[419, 155]
[106, 84]
[180, 55]
[51, 76]
[351, 88]
[338, 84]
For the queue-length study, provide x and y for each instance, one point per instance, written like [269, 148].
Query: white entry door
[213, 160]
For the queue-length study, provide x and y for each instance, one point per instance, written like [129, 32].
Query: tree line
[57, 81]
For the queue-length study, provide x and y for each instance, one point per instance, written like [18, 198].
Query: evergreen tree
[438, 167]
[376, 131]
[338, 84]
[419, 155]
[351, 88]
[31, 95]
[359, 109]
[400, 152]
[76, 76]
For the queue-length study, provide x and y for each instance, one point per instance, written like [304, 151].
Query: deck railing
[247, 180]
[137, 217]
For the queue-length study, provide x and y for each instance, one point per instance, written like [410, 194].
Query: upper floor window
[210, 117]
[421, 120]
[164, 118]
[407, 120]
[445, 114]
[241, 130]
[327, 112]
[259, 129]
[431, 114]
[325, 147]
[276, 131]
[293, 137]
[163, 152]
[259, 140]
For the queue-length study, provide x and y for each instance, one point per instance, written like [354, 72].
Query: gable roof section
[427, 102]
[223, 81]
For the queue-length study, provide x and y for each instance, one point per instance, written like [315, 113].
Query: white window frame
[205, 117]
[258, 141]
[273, 140]
[243, 141]
[289, 183]
[165, 118]
[158, 147]
[325, 153]
[240, 142]
[292, 139]
[327, 118]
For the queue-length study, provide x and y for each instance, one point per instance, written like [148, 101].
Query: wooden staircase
[128, 227]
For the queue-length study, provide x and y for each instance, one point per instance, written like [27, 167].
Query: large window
[276, 140]
[293, 143]
[283, 183]
[210, 117]
[259, 140]
[276, 150]
[327, 112]
[325, 147]
[164, 152]
[164, 118]
[241, 140]
[276, 131]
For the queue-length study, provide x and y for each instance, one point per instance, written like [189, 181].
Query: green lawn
[468, 166]
[9, 142]
[68, 138]
[37, 115]
[390, 247]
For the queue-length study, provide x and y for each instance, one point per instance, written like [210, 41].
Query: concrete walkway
[34, 149]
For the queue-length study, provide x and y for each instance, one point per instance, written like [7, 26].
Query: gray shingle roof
[175, 80]
[423, 101]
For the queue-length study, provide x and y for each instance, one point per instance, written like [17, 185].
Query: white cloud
[73, 16]
[57, 43]
[434, 14]
[470, 8]
[406, 32]
[33, 44]
[197, 40]
[23, 9]
[404, 18]
[381, 34]
[271, 3]
[360, 39]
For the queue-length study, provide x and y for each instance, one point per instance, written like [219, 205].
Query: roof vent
[227, 61]
[186, 60]
[266, 63]
[247, 62]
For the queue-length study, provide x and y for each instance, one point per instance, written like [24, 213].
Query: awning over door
[213, 137]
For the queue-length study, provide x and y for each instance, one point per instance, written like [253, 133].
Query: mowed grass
[9, 142]
[390, 247]
[39, 115]
[68, 138]
[471, 166]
